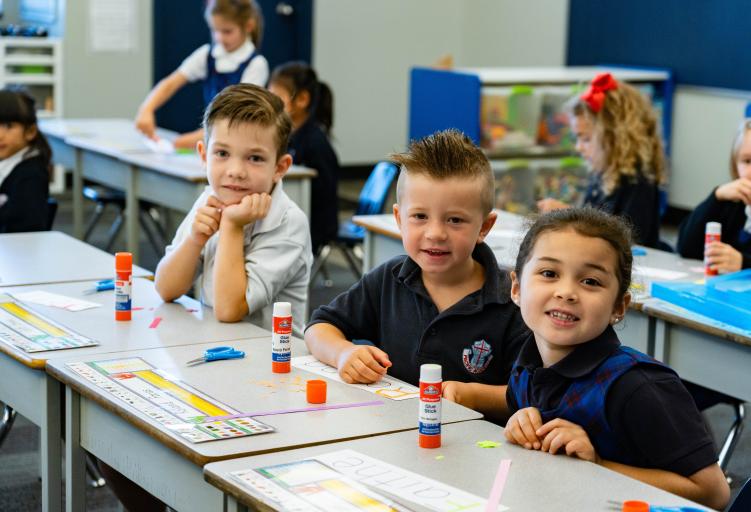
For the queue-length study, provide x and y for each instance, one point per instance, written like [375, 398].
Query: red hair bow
[595, 95]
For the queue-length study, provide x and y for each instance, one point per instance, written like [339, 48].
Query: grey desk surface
[182, 323]
[249, 385]
[53, 257]
[536, 481]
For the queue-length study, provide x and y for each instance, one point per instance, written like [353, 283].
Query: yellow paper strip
[196, 402]
[30, 318]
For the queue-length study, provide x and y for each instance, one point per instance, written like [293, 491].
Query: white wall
[104, 84]
[365, 49]
[704, 124]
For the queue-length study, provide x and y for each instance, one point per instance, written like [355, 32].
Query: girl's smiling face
[568, 291]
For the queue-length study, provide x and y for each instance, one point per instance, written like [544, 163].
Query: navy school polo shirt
[652, 416]
[475, 340]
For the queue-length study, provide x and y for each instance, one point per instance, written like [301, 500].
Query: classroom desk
[536, 481]
[170, 467]
[26, 387]
[113, 153]
[700, 350]
[53, 257]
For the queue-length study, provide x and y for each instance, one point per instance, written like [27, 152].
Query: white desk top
[53, 257]
[536, 481]
[182, 323]
[249, 385]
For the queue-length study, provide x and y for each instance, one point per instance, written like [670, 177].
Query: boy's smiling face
[241, 160]
[441, 221]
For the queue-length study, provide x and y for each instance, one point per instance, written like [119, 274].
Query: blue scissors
[100, 286]
[216, 354]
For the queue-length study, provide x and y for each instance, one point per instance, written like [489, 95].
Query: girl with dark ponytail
[310, 104]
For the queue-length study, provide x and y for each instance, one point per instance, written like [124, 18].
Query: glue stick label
[281, 341]
[430, 409]
[122, 295]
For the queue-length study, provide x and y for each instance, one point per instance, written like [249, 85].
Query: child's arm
[188, 140]
[707, 486]
[356, 363]
[549, 204]
[175, 272]
[485, 398]
[230, 278]
[163, 91]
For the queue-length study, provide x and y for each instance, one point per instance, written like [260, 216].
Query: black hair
[17, 106]
[589, 222]
[298, 76]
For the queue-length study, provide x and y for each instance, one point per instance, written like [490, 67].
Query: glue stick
[430, 406]
[712, 233]
[123, 285]
[281, 340]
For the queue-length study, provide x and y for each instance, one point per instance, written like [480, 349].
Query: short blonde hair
[744, 127]
[248, 103]
[443, 155]
[627, 130]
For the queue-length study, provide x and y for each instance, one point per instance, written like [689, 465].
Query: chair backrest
[376, 188]
[51, 212]
[742, 502]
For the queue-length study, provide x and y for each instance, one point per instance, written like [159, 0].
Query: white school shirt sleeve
[183, 232]
[257, 71]
[275, 258]
[194, 67]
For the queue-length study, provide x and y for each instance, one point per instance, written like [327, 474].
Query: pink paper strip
[137, 308]
[155, 322]
[290, 411]
[500, 481]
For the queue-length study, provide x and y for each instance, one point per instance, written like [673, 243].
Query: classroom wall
[104, 84]
[365, 50]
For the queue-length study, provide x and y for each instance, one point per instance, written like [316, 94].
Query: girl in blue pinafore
[232, 58]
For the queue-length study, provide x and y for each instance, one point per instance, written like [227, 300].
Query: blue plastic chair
[351, 236]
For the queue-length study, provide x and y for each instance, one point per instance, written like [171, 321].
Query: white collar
[279, 205]
[7, 165]
[747, 226]
[227, 62]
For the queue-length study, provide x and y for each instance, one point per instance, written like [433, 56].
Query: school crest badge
[476, 357]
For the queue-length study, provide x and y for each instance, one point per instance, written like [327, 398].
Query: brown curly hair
[628, 133]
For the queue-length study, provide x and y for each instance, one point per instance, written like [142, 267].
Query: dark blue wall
[705, 42]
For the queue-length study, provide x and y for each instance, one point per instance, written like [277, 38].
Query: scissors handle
[217, 353]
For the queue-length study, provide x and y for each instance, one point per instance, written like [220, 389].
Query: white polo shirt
[278, 257]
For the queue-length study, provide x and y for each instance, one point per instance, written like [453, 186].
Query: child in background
[236, 28]
[24, 165]
[575, 388]
[730, 205]
[617, 133]
[244, 235]
[446, 301]
[310, 105]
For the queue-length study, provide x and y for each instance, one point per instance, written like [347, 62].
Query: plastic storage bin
[509, 117]
[514, 187]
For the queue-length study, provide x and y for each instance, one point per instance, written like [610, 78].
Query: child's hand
[457, 392]
[736, 190]
[146, 123]
[249, 209]
[559, 433]
[723, 257]
[362, 364]
[549, 204]
[207, 220]
[522, 427]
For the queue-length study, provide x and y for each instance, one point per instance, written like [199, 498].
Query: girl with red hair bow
[617, 133]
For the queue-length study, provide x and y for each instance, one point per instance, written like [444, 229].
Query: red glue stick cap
[123, 261]
[315, 391]
[635, 506]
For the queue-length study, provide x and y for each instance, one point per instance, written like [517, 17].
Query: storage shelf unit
[36, 64]
[441, 99]
[515, 115]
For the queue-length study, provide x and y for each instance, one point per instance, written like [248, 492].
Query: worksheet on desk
[172, 403]
[30, 331]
